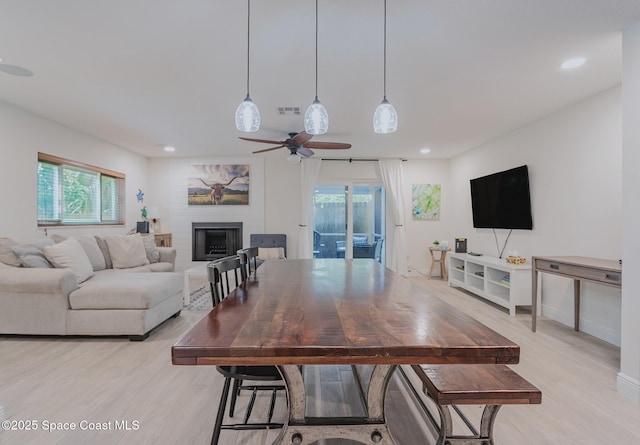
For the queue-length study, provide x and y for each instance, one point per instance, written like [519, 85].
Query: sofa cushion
[69, 254]
[90, 246]
[102, 244]
[126, 290]
[6, 254]
[127, 251]
[271, 253]
[32, 254]
[153, 255]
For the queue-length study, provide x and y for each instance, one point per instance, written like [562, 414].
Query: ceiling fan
[299, 143]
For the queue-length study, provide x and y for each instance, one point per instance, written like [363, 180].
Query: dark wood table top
[335, 311]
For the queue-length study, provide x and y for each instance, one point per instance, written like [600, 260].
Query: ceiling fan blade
[304, 151]
[302, 138]
[268, 149]
[327, 145]
[264, 141]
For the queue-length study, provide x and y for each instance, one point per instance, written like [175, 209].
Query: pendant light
[385, 119]
[247, 113]
[316, 118]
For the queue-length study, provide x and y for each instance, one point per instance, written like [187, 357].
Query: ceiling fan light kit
[247, 113]
[385, 118]
[316, 118]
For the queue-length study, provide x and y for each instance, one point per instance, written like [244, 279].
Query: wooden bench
[490, 385]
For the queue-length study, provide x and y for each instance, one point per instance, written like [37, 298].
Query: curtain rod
[355, 159]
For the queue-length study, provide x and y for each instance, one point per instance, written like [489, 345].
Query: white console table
[491, 278]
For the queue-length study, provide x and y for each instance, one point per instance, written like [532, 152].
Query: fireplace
[211, 241]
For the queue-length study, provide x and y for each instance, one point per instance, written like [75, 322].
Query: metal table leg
[302, 430]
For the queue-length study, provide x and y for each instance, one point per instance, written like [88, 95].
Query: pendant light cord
[316, 50]
[384, 70]
[248, 36]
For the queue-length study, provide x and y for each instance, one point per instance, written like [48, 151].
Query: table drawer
[613, 278]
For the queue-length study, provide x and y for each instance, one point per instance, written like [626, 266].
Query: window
[71, 193]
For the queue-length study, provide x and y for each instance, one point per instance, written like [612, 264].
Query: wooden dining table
[336, 312]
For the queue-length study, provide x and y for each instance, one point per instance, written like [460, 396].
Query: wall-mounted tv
[502, 200]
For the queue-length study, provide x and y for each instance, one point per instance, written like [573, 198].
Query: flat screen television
[502, 200]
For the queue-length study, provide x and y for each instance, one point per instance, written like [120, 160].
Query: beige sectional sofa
[119, 297]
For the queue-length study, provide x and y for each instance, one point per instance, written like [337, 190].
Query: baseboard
[588, 327]
[628, 387]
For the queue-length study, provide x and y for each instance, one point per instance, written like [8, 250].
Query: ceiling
[144, 73]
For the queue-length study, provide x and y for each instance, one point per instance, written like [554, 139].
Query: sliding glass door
[349, 222]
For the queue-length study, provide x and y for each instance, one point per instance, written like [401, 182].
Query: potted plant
[436, 244]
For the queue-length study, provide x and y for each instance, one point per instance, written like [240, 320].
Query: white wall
[629, 376]
[575, 166]
[24, 135]
[168, 191]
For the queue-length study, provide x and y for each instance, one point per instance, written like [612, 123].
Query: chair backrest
[247, 256]
[268, 240]
[218, 272]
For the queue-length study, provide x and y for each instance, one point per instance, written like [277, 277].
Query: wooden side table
[162, 239]
[440, 260]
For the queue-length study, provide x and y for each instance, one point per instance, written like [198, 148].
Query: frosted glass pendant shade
[316, 118]
[385, 119]
[247, 116]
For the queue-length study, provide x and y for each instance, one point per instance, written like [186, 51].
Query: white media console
[494, 279]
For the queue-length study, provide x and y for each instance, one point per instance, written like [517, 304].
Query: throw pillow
[271, 253]
[32, 254]
[6, 254]
[57, 238]
[127, 251]
[69, 254]
[102, 244]
[153, 254]
[91, 248]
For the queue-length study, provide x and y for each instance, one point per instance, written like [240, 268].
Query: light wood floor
[112, 379]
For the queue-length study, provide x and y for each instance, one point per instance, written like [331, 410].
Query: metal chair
[246, 257]
[218, 272]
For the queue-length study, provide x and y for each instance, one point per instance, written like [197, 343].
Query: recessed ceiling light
[573, 63]
[425, 151]
[169, 148]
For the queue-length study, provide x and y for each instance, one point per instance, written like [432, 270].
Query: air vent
[289, 110]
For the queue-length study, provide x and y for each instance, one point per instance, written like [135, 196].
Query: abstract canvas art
[425, 202]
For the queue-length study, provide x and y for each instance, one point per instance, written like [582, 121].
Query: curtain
[309, 173]
[393, 180]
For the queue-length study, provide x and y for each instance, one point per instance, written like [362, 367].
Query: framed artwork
[425, 202]
[218, 185]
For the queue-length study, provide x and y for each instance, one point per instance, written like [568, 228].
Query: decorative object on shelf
[444, 245]
[461, 245]
[218, 185]
[516, 260]
[316, 118]
[153, 215]
[385, 118]
[143, 212]
[247, 113]
[425, 202]
[436, 243]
